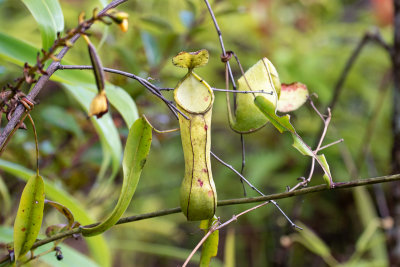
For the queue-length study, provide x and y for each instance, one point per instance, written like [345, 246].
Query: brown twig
[148, 85]
[19, 111]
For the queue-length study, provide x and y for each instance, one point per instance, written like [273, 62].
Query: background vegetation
[307, 41]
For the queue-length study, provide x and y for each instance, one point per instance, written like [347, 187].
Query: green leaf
[103, 2]
[63, 210]
[5, 196]
[29, 216]
[49, 16]
[283, 124]
[315, 244]
[60, 118]
[367, 213]
[72, 257]
[136, 150]
[229, 254]
[104, 126]
[364, 241]
[97, 245]
[210, 246]
[18, 52]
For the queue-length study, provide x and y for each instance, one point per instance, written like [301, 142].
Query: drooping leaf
[292, 97]
[367, 213]
[18, 52]
[49, 16]
[29, 216]
[283, 124]
[5, 205]
[364, 241]
[105, 127]
[136, 151]
[210, 246]
[72, 257]
[314, 243]
[58, 117]
[229, 254]
[63, 210]
[191, 60]
[97, 245]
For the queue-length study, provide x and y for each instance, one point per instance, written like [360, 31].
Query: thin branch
[326, 122]
[229, 202]
[151, 87]
[220, 41]
[254, 188]
[146, 83]
[227, 90]
[19, 111]
[332, 144]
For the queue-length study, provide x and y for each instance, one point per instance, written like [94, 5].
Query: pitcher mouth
[194, 96]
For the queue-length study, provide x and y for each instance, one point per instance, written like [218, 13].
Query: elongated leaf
[229, 257]
[48, 15]
[18, 52]
[136, 150]
[97, 244]
[57, 116]
[71, 256]
[63, 210]
[315, 244]
[29, 216]
[367, 213]
[6, 198]
[210, 246]
[105, 127]
[283, 124]
[82, 86]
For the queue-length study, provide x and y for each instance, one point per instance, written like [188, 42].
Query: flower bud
[121, 18]
[124, 25]
[99, 105]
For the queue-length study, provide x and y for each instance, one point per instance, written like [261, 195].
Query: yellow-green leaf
[191, 60]
[136, 150]
[29, 216]
[210, 246]
[49, 16]
[229, 255]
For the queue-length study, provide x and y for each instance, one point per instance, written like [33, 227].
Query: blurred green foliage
[308, 41]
